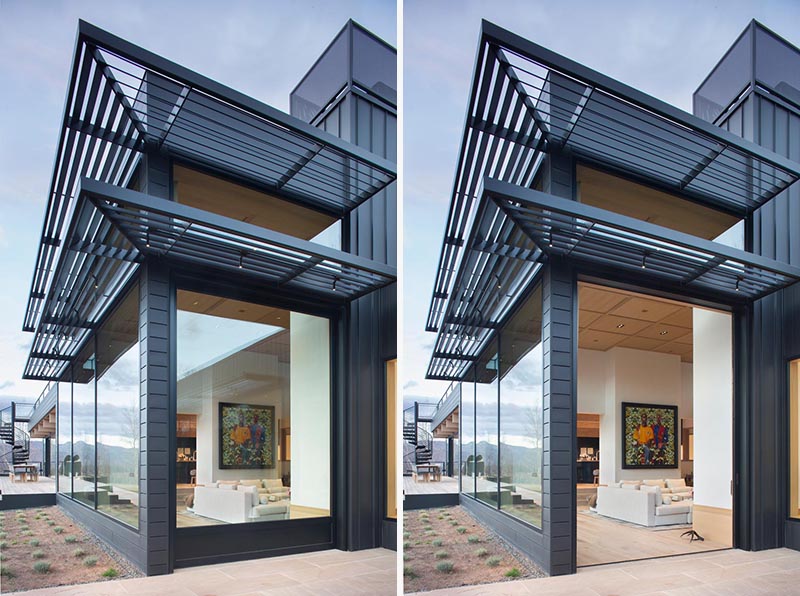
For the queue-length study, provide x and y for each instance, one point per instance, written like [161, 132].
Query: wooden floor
[44, 485]
[602, 540]
[446, 485]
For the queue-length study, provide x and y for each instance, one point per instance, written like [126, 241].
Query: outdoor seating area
[42, 484]
[24, 473]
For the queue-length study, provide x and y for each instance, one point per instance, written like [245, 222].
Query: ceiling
[232, 309]
[610, 318]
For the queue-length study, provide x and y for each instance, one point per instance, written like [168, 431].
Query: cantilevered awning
[122, 98]
[596, 240]
[113, 229]
[526, 100]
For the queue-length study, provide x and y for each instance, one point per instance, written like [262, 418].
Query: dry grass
[446, 548]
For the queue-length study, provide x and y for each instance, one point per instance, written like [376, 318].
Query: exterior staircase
[417, 436]
[13, 435]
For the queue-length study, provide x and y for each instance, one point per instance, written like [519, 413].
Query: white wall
[310, 398]
[713, 409]
[606, 379]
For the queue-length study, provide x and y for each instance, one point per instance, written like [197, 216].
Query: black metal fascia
[98, 192]
[96, 36]
[491, 33]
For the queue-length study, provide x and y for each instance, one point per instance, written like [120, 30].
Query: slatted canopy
[526, 100]
[123, 100]
[517, 229]
[113, 229]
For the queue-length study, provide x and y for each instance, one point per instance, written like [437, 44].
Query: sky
[662, 48]
[262, 48]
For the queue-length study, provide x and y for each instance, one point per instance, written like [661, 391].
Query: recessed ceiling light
[645, 310]
[663, 332]
[620, 326]
[241, 310]
[195, 303]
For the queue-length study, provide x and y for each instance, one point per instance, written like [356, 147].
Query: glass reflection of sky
[204, 339]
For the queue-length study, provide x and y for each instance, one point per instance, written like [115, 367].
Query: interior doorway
[654, 427]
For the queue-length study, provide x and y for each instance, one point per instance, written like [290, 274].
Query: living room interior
[253, 438]
[655, 392]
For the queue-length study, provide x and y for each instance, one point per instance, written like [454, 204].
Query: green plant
[473, 539]
[444, 567]
[3, 535]
[6, 572]
[430, 533]
[408, 571]
[38, 554]
[461, 530]
[406, 557]
[3, 544]
[58, 529]
[513, 572]
[78, 552]
[406, 544]
[493, 561]
[41, 566]
[50, 522]
[453, 522]
[26, 533]
[34, 542]
[406, 534]
[441, 554]
[70, 539]
[437, 542]
[481, 552]
[90, 561]
[110, 572]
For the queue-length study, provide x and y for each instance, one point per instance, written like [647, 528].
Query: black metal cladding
[122, 99]
[516, 229]
[114, 228]
[526, 100]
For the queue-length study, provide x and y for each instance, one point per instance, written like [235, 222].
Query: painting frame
[229, 459]
[662, 458]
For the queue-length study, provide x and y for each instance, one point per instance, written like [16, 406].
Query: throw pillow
[264, 499]
[247, 489]
[658, 483]
[676, 483]
[255, 483]
[666, 500]
[227, 486]
[629, 486]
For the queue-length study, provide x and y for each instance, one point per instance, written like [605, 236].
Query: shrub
[461, 530]
[58, 529]
[481, 552]
[513, 572]
[110, 572]
[26, 533]
[3, 544]
[406, 544]
[406, 535]
[441, 554]
[3, 535]
[408, 571]
[41, 567]
[427, 528]
[430, 533]
[437, 542]
[493, 561]
[405, 556]
[78, 552]
[90, 561]
[50, 522]
[6, 572]
[38, 554]
[453, 522]
[444, 567]
[34, 542]
[2, 557]
[70, 539]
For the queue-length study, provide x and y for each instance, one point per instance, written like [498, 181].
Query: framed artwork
[246, 436]
[649, 436]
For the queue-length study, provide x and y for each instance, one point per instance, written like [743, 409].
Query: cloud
[6, 385]
[410, 384]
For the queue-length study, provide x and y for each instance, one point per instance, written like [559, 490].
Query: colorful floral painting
[650, 434]
[246, 436]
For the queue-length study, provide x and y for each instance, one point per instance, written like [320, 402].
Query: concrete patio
[731, 572]
[331, 572]
[43, 485]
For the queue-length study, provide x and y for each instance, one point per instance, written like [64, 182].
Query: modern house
[214, 303]
[617, 301]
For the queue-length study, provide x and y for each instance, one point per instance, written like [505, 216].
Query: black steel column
[46, 470]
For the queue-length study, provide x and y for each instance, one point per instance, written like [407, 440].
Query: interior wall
[309, 382]
[713, 425]
[606, 379]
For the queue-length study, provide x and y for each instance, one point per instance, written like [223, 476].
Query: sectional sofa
[243, 501]
[647, 502]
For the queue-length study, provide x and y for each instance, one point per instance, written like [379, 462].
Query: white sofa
[237, 504]
[272, 487]
[649, 503]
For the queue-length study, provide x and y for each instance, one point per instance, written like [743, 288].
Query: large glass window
[64, 431]
[486, 459]
[118, 412]
[253, 393]
[83, 419]
[521, 423]
[794, 438]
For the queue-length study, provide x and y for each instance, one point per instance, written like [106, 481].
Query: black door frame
[233, 542]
